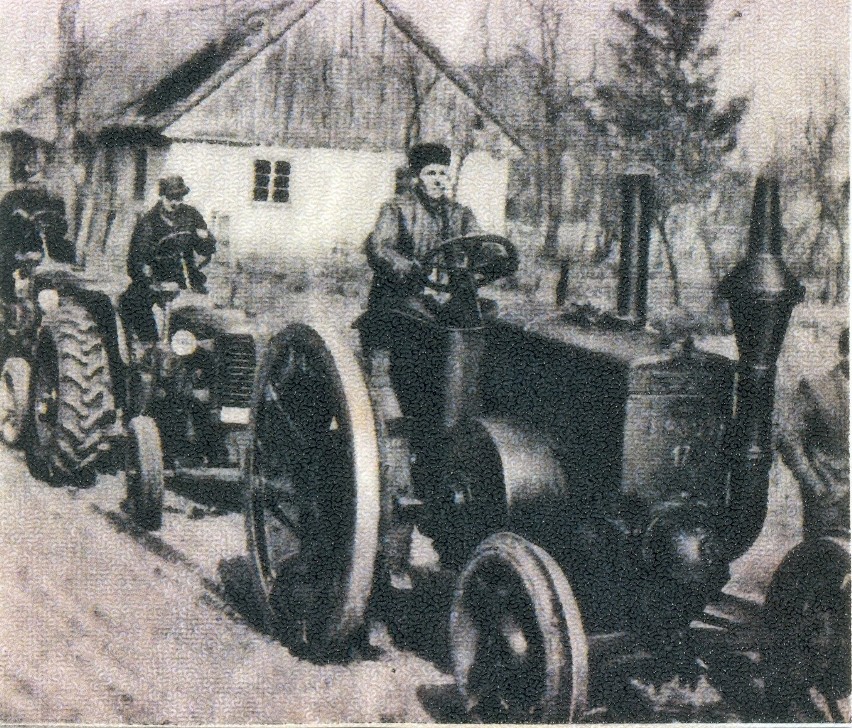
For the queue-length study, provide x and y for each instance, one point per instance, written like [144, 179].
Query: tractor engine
[638, 461]
[203, 393]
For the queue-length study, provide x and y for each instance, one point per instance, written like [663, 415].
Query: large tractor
[586, 477]
[63, 351]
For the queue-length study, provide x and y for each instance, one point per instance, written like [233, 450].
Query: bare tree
[561, 109]
[825, 157]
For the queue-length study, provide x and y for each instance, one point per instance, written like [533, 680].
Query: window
[269, 187]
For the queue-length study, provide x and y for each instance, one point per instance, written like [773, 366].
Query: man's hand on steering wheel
[475, 260]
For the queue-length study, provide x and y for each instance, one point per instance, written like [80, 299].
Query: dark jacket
[813, 440]
[31, 220]
[410, 226]
[168, 243]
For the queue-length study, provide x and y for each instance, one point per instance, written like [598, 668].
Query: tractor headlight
[48, 299]
[184, 342]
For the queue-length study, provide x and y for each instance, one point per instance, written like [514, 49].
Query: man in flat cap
[32, 220]
[163, 248]
[418, 219]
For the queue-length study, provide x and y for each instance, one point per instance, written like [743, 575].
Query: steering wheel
[174, 244]
[481, 259]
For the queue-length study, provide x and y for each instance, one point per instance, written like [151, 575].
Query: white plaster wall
[482, 186]
[335, 195]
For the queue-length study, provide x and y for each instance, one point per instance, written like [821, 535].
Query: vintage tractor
[188, 400]
[62, 350]
[588, 477]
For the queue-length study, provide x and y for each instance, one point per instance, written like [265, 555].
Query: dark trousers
[135, 307]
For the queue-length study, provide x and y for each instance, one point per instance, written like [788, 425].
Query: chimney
[637, 211]
[761, 293]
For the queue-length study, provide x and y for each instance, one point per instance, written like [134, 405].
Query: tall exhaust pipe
[637, 215]
[761, 293]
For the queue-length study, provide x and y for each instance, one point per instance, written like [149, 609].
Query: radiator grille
[237, 362]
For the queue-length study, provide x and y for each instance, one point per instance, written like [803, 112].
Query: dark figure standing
[32, 220]
[813, 441]
[163, 248]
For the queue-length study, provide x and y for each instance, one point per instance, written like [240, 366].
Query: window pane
[282, 168]
[261, 194]
[282, 181]
[262, 166]
[281, 195]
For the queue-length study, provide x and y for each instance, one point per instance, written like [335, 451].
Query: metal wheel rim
[299, 459]
[515, 658]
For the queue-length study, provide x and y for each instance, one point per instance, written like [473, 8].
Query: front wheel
[144, 473]
[519, 650]
[808, 632]
[312, 511]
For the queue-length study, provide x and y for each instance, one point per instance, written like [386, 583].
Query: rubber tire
[14, 399]
[144, 473]
[564, 684]
[85, 402]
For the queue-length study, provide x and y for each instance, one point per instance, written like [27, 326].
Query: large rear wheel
[519, 650]
[312, 514]
[72, 399]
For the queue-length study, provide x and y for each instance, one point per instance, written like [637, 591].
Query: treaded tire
[144, 473]
[73, 407]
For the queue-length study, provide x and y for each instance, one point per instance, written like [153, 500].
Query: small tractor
[586, 477]
[63, 352]
[188, 400]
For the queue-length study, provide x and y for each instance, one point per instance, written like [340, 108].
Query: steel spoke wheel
[312, 514]
[144, 473]
[14, 399]
[808, 632]
[519, 650]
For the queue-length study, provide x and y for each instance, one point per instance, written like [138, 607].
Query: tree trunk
[667, 246]
[553, 201]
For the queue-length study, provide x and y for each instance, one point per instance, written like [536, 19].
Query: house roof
[155, 67]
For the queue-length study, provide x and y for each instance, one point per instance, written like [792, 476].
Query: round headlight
[48, 299]
[184, 342]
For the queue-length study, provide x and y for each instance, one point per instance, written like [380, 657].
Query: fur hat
[422, 155]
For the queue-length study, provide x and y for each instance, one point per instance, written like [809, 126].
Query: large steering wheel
[175, 243]
[480, 259]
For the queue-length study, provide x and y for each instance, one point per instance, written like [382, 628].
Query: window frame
[271, 181]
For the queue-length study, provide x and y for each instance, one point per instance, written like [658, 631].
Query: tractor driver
[32, 220]
[417, 220]
[163, 249]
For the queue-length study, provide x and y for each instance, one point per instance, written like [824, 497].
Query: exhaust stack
[637, 211]
[761, 293]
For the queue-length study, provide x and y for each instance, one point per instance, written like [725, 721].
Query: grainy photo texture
[371, 361]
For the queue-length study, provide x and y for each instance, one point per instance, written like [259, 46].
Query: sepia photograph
[424, 361]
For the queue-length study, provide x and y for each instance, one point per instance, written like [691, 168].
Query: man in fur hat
[163, 249]
[417, 220]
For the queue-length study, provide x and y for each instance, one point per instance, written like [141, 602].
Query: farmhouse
[288, 123]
